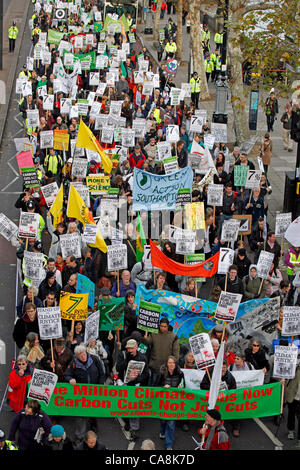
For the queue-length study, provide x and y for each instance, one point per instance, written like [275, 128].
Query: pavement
[282, 160]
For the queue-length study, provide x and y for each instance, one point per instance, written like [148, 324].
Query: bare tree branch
[259, 6]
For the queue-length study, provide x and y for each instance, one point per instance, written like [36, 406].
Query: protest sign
[33, 266]
[219, 131]
[184, 196]
[28, 225]
[33, 118]
[50, 192]
[172, 133]
[128, 137]
[202, 350]
[83, 192]
[245, 221]
[42, 385]
[24, 160]
[86, 286]
[264, 263]
[61, 140]
[163, 150]
[89, 233]
[159, 192]
[109, 207]
[282, 222]
[240, 175]
[225, 260]
[228, 306]
[194, 215]
[230, 230]
[185, 241]
[170, 165]
[111, 314]
[98, 184]
[46, 139]
[209, 141]
[244, 379]
[215, 194]
[183, 404]
[116, 236]
[134, 369]
[116, 257]
[79, 167]
[91, 327]
[30, 178]
[7, 228]
[50, 326]
[285, 362]
[48, 102]
[197, 122]
[148, 316]
[291, 321]
[70, 244]
[73, 306]
[195, 258]
[253, 179]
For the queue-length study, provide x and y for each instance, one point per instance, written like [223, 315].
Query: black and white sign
[46, 139]
[116, 257]
[50, 326]
[215, 194]
[33, 266]
[172, 133]
[264, 263]
[291, 321]
[50, 192]
[228, 306]
[202, 350]
[253, 179]
[91, 327]
[42, 386]
[185, 241]
[70, 245]
[225, 260]
[230, 230]
[7, 228]
[90, 233]
[28, 226]
[281, 223]
[285, 362]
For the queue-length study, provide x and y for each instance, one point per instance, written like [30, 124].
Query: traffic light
[295, 129]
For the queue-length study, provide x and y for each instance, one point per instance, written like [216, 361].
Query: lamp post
[220, 112]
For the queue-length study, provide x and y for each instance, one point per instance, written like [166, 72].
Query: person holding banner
[59, 361]
[33, 351]
[256, 355]
[18, 381]
[254, 205]
[170, 375]
[27, 324]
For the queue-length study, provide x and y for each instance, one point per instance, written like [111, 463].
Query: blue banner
[86, 286]
[159, 192]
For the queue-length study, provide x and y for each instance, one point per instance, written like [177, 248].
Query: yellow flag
[57, 207]
[78, 210]
[87, 140]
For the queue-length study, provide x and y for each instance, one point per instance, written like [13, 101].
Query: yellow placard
[73, 306]
[194, 215]
[61, 138]
[98, 184]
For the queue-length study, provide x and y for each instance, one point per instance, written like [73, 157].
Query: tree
[156, 20]
[197, 50]
[179, 9]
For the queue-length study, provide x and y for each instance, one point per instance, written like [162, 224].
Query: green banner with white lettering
[108, 401]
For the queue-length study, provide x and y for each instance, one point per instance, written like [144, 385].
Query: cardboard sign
[264, 263]
[291, 321]
[245, 223]
[91, 327]
[225, 260]
[28, 225]
[282, 222]
[70, 244]
[230, 230]
[7, 228]
[215, 194]
[42, 386]
[285, 362]
[73, 306]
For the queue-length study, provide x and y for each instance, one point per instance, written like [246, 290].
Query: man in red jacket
[215, 435]
[136, 158]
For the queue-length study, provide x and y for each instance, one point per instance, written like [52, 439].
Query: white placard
[42, 386]
[228, 306]
[225, 260]
[116, 257]
[215, 195]
[50, 192]
[7, 228]
[230, 230]
[253, 179]
[291, 321]
[282, 222]
[46, 139]
[264, 263]
[28, 225]
[90, 233]
[202, 350]
[285, 362]
[91, 327]
[70, 244]
[50, 326]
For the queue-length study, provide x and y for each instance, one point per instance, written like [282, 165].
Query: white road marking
[269, 433]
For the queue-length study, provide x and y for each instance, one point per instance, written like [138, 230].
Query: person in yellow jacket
[208, 65]
[219, 38]
[195, 83]
[170, 49]
[12, 36]
[217, 64]
[53, 162]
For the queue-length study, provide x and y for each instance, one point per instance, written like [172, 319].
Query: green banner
[88, 60]
[108, 401]
[111, 314]
[54, 37]
[148, 316]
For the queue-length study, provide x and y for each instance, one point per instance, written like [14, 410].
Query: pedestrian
[271, 109]
[286, 120]
[254, 287]
[58, 440]
[18, 382]
[195, 83]
[293, 403]
[170, 375]
[266, 152]
[90, 443]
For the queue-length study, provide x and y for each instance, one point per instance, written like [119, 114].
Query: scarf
[211, 436]
[35, 353]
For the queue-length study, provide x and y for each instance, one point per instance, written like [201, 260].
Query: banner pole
[261, 283]
[282, 395]
[52, 355]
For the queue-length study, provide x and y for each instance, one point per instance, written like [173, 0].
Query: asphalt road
[110, 430]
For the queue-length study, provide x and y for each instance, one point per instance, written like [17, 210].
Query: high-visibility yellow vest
[13, 32]
[51, 162]
[205, 35]
[208, 65]
[156, 114]
[196, 85]
[293, 260]
[171, 47]
[218, 38]
[36, 31]
[23, 74]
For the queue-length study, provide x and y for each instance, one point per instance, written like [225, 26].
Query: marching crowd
[105, 360]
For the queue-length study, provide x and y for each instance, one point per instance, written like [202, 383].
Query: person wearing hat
[5, 444]
[213, 432]
[58, 440]
[132, 377]
[31, 208]
[12, 36]
[242, 262]
[195, 83]
[49, 284]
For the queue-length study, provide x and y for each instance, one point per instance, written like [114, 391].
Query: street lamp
[220, 111]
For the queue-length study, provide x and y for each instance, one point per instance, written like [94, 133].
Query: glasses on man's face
[255, 345]
[21, 363]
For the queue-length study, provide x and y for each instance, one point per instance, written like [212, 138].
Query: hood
[250, 267]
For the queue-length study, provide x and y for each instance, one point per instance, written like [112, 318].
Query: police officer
[195, 82]
[208, 66]
[12, 36]
[5, 444]
[170, 49]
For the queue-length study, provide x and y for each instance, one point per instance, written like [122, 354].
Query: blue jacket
[122, 289]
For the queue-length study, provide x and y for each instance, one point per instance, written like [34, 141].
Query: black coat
[91, 372]
[228, 378]
[122, 363]
[235, 287]
[21, 329]
[243, 266]
[168, 379]
[258, 360]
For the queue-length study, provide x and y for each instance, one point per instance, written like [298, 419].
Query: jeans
[167, 427]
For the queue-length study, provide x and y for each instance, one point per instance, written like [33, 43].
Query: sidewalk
[282, 160]
[16, 11]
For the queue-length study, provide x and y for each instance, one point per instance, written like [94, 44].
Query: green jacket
[251, 288]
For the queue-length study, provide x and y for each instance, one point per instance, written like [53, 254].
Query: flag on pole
[87, 140]
[216, 378]
[57, 207]
[140, 240]
[78, 210]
